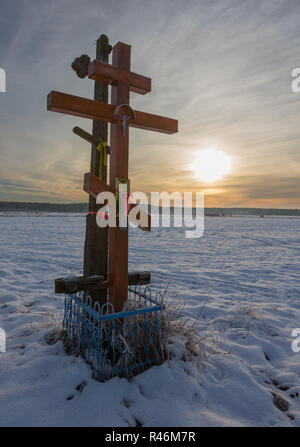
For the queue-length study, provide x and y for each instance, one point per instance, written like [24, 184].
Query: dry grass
[198, 347]
[166, 330]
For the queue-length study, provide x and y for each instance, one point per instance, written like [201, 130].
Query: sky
[221, 67]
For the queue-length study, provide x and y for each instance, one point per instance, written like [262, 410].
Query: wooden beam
[136, 278]
[119, 142]
[78, 106]
[88, 137]
[100, 71]
[96, 239]
[88, 108]
[93, 185]
[74, 284]
[156, 123]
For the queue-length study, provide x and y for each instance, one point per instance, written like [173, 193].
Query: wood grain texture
[118, 237]
[97, 110]
[94, 186]
[74, 284]
[100, 71]
[88, 137]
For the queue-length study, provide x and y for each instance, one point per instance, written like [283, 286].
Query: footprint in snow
[127, 402]
[81, 386]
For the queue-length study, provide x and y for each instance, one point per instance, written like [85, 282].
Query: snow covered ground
[241, 282]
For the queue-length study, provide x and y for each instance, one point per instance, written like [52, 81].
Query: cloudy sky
[221, 67]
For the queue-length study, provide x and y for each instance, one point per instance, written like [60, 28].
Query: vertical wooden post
[118, 237]
[96, 239]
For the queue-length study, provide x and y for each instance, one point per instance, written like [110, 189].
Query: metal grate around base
[122, 343]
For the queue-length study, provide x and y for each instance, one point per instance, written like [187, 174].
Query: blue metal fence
[120, 343]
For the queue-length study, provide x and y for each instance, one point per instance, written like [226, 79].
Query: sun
[211, 165]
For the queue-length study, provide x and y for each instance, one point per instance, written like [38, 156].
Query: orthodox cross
[120, 116]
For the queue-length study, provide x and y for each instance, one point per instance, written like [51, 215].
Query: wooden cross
[122, 80]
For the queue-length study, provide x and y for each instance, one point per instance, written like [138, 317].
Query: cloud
[223, 68]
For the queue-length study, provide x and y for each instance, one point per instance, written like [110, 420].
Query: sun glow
[211, 165]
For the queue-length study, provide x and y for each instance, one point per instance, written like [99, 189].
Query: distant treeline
[44, 207]
[83, 208]
[251, 211]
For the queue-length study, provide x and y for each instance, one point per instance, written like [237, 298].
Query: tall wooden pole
[118, 237]
[96, 239]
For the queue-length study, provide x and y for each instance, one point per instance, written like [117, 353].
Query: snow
[240, 281]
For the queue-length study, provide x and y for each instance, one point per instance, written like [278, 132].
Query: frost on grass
[128, 346]
[182, 338]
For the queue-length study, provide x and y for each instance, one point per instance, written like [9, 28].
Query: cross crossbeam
[100, 71]
[88, 108]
